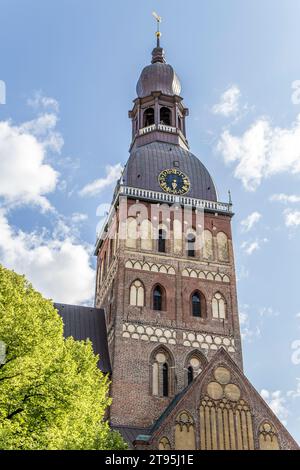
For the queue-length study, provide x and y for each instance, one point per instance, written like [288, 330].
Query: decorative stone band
[208, 342]
[149, 333]
[168, 336]
[208, 275]
[153, 267]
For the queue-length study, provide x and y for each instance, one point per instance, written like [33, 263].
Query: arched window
[194, 364]
[191, 240]
[268, 437]
[164, 444]
[165, 116]
[196, 304]
[137, 294]
[162, 241]
[148, 117]
[158, 298]
[218, 307]
[162, 373]
[190, 374]
[185, 438]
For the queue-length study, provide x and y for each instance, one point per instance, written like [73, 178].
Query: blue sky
[70, 69]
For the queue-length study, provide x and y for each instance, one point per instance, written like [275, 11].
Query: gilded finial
[158, 33]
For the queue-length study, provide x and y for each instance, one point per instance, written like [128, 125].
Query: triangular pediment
[220, 410]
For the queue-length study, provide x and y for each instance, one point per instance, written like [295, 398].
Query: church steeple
[158, 114]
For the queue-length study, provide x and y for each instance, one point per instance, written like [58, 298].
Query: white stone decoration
[207, 275]
[208, 341]
[152, 267]
[147, 333]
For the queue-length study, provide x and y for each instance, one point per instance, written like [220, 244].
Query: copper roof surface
[147, 162]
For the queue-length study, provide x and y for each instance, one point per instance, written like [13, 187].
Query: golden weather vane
[158, 21]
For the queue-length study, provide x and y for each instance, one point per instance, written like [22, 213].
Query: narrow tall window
[190, 375]
[191, 239]
[162, 241]
[104, 265]
[165, 381]
[196, 304]
[157, 298]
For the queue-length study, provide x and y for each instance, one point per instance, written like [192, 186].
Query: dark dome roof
[158, 76]
[147, 162]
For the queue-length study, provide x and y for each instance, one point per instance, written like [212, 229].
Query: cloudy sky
[70, 69]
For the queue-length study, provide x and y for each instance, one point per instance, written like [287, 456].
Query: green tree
[52, 395]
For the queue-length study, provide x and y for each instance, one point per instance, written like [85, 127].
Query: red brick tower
[166, 275]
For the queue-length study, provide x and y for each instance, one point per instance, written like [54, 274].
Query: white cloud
[113, 173]
[247, 332]
[250, 247]
[39, 101]
[285, 198]
[295, 393]
[78, 217]
[248, 223]
[262, 151]
[229, 102]
[292, 218]
[268, 312]
[277, 403]
[43, 128]
[25, 178]
[57, 265]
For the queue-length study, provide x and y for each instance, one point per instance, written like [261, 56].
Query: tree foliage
[52, 395]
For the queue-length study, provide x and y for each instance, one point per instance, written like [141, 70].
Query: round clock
[174, 181]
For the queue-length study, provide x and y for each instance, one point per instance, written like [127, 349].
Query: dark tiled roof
[129, 433]
[146, 163]
[168, 410]
[87, 323]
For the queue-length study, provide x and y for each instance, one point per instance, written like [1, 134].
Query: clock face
[173, 181]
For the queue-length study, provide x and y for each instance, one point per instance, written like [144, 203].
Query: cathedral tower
[166, 280]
